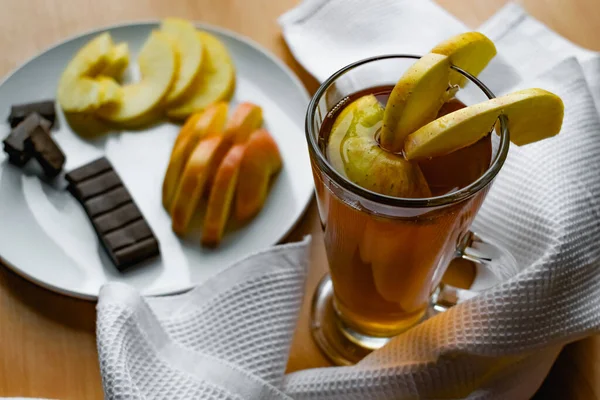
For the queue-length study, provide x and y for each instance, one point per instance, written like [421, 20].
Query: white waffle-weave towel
[229, 338]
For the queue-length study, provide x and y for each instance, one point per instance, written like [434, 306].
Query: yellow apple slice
[188, 126]
[202, 124]
[210, 120]
[246, 118]
[77, 90]
[260, 145]
[470, 51]
[189, 48]
[118, 60]
[387, 245]
[215, 82]
[353, 151]
[533, 115]
[415, 100]
[157, 62]
[110, 91]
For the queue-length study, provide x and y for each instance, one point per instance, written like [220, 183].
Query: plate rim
[145, 22]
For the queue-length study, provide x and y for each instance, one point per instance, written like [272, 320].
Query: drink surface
[384, 267]
[444, 174]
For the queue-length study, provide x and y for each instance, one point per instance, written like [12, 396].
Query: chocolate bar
[19, 112]
[117, 220]
[14, 143]
[45, 150]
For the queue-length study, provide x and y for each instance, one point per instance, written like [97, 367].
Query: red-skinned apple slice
[221, 196]
[199, 125]
[205, 156]
[260, 162]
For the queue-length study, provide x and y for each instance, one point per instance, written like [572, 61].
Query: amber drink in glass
[387, 254]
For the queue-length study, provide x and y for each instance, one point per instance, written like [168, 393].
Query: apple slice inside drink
[353, 150]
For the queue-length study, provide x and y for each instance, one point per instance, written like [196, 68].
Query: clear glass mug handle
[493, 264]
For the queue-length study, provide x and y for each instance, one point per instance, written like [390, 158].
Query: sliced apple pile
[407, 127]
[183, 71]
[233, 163]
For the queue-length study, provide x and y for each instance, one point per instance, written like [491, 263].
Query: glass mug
[387, 255]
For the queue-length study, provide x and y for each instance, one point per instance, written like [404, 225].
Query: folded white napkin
[226, 339]
[229, 338]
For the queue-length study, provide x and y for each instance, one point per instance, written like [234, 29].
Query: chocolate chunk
[128, 235]
[100, 184]
[140, 251]
[117, 218]
[108, 201]
[46, 151]
[14, 143]
[118, 222]
[88, 171]
[18, 113]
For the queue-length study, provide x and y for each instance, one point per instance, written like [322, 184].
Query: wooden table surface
[47, 343]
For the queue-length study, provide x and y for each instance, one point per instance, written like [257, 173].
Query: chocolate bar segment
[142, 250]
[14, 143]
[100, 184]
[19, 112]
[107, 201]
[117, 218]
[45, 150]
[129, 235]
[118, 222]
[88, 171]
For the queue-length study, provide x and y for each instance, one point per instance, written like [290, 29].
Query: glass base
[339, 342]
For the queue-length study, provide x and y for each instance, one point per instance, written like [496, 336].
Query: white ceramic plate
[46, 237]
